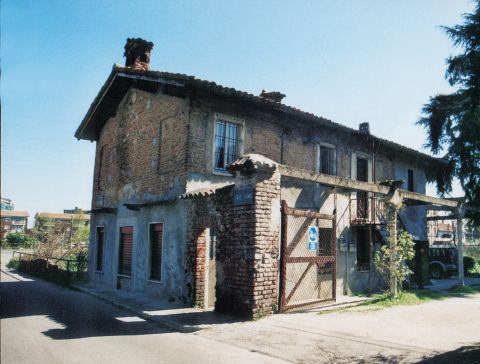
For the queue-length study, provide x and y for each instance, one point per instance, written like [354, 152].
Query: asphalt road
[45, 323]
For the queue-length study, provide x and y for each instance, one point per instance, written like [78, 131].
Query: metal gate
[308, 272]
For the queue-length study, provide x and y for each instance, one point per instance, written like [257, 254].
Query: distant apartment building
[6, 204]
[11, 221]
[63, 223]
[75, 210]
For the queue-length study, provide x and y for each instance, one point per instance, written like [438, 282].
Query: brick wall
[247, 247]
[155, 141]
[143, 148]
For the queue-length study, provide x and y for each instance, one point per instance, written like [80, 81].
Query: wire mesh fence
[308, 265]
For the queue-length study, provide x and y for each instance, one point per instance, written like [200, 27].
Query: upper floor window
[226, 143]
[327, 159]
[411, 187]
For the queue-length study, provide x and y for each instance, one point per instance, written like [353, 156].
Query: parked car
[442, 261]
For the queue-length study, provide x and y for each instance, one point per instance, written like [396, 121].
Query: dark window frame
[124, 269]
[410, 182]
[100, 253]
[363, 250]
[155, 263]
[327, 165]
[227, 142]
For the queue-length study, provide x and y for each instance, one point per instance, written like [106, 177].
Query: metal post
[334, 253]
[370, 259]
[283, 262]
[461, 278]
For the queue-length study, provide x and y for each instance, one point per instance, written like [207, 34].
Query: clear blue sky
[349, 61]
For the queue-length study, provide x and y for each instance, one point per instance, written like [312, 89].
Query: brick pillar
[247, 260]
[267, 245]
[200, 264]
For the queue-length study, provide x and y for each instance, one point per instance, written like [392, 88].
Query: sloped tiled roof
[187, 81]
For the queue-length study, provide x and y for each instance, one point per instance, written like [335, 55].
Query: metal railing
[367, 210]
[58, 269]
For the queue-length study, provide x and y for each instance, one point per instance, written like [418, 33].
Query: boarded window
[156, 239]
[100, 247]
[410, 180]
[226, 143]
[327, 160]
[125, 253]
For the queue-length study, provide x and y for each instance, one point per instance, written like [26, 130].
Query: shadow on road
[462, 355]
[79, 315]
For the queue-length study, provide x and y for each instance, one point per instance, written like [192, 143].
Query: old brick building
[173, 216]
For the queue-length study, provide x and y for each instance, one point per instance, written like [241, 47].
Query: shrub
[397, 268]
[18, 239]
[13, 263]
[468, 263]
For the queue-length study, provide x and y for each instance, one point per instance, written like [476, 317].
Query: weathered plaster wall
[413, 217]
[173, 216]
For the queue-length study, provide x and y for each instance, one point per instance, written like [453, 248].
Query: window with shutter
[156, 239]
[100, 247]
[125, 254]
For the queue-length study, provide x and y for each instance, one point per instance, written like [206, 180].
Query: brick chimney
[137, 53]
[364, 128]
[272, 95]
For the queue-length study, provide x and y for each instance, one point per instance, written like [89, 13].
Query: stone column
[392, 212]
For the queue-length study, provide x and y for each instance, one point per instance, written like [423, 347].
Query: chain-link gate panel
[307, 269]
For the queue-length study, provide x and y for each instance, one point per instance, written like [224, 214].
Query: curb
[339, 305]
[137, 312]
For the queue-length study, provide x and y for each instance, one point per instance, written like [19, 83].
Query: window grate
[327, 160]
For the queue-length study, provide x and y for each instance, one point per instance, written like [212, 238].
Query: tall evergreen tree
[452, 121]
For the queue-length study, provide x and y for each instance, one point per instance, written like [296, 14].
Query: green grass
[406, 298]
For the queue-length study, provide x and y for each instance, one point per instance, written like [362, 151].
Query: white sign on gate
[312, 238]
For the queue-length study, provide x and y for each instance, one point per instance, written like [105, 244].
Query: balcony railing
[367, 210]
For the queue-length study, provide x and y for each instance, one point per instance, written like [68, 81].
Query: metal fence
[307, 270]
[56, 269]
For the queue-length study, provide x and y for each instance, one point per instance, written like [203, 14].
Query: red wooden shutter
[125, 256]
[156, 238]
[100, 247]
